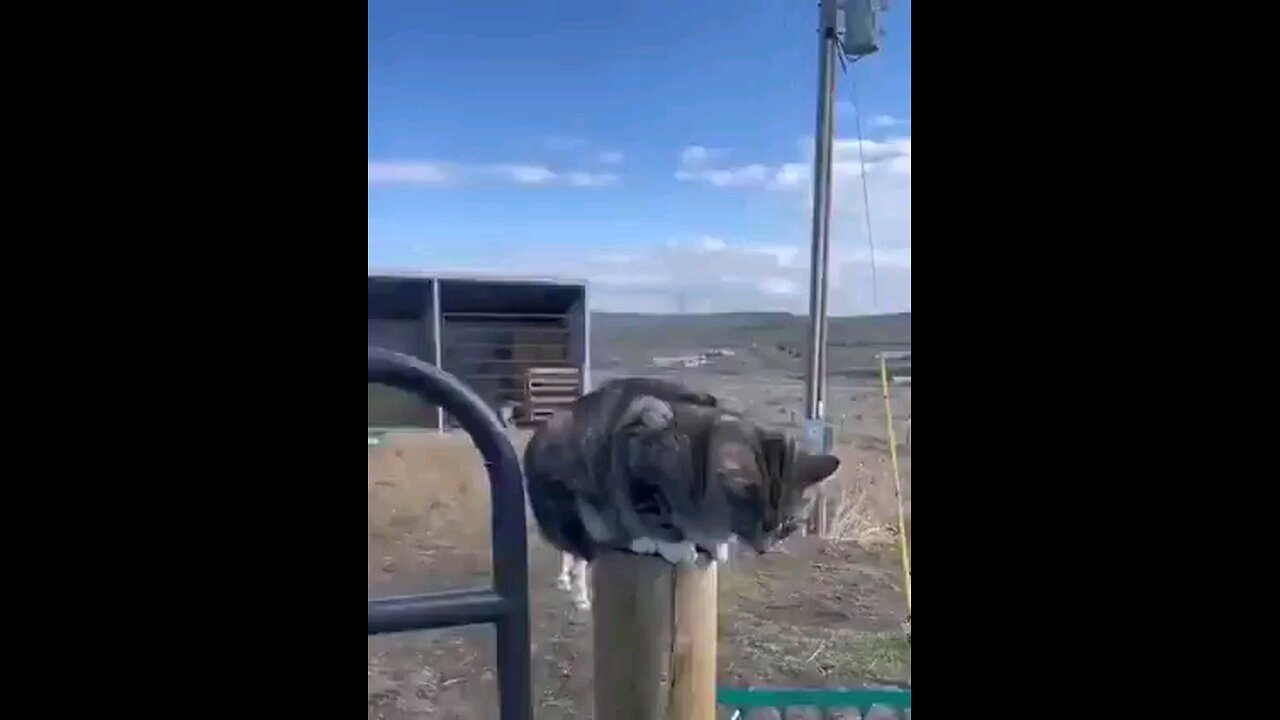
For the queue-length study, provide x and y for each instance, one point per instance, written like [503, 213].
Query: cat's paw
[651, 412]
[644, 546]
[582, 603]
[658, 415]
[563, 583]
[722, 552]
[678, 552]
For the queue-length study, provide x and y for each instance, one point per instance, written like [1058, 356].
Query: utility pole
[816, 372]
[816, 435]
[851, 27]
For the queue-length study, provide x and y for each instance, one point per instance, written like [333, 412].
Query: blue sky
[657, 148]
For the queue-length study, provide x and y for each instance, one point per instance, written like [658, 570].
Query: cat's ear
[813, 469]
[775, 448]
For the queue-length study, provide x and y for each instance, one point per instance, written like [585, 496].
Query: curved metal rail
[506, 604]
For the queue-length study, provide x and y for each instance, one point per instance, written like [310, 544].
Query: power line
[866, 198]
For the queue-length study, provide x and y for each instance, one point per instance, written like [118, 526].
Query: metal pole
[435, 331]
[586, 339]
[815, 387]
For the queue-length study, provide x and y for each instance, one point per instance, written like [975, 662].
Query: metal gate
[506, 604]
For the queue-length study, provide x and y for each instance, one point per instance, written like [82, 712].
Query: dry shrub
[862, 503]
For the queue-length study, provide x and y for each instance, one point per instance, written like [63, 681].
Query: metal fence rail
[506, 604]
[744, 700]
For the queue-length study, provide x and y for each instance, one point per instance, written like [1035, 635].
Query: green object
[747, 698]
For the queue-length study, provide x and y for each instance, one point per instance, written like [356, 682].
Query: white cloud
[888, 193]
[438, 173]
[410, 173]
[896, 258]
[707, 244]
[888, 121]
[899, 165]
[779, 286]
[793, 175]
[712, 274]
[787, 256]
[694, 156]
[571, 148]
[704, 273]
[627, 281]
[744, 176]
[846, 150]
[888, 156]
[523, 174]
[586, 179]
[695, 167]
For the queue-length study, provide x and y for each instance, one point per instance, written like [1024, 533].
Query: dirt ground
[819, 614]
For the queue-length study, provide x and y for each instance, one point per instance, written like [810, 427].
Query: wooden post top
[655, 638]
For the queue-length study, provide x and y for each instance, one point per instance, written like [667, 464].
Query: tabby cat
[652, 467]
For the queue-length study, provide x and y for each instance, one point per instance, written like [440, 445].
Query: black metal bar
[507, 605]
[436, 610]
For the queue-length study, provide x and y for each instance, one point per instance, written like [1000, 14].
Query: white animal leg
[722, 552]
[567, 562]
[581, 597]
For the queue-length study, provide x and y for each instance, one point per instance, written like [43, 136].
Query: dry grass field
[819, 614]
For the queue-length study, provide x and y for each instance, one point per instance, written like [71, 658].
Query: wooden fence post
[655, 638]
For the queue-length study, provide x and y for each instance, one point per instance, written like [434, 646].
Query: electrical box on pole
[861, 27]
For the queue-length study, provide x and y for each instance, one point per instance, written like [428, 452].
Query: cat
[651, 467]
[556, 460]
